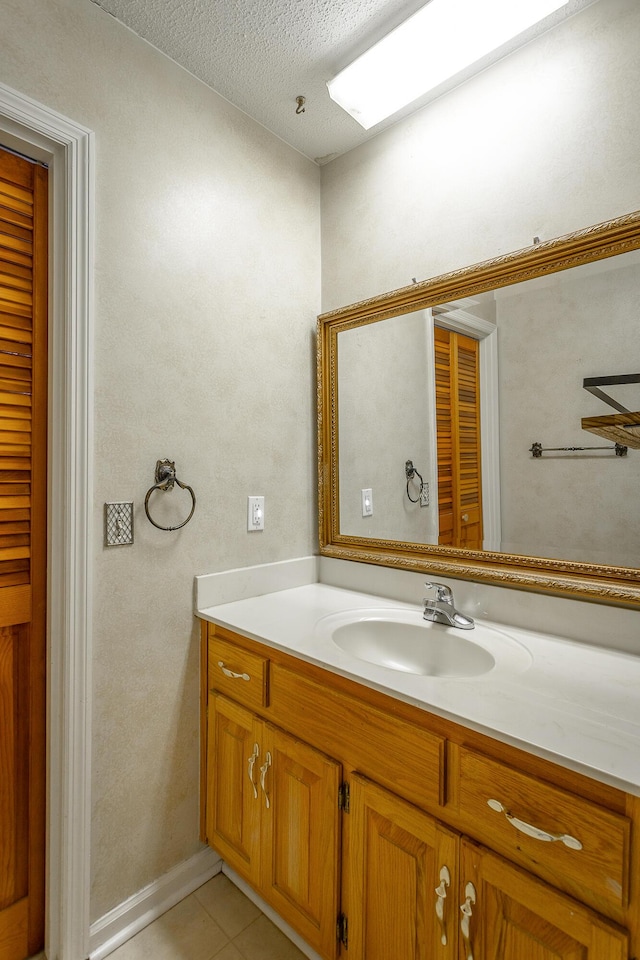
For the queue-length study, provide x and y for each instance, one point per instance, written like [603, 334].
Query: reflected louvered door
[466, 406]
[444, 427]
[23, 430]
[458, 438]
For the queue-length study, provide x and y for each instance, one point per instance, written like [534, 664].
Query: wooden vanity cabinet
[365, 823]
[233, 810]
[399, 880]
[514, 916]
[272, 813]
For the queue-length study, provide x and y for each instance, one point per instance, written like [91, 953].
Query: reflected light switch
[367, 502]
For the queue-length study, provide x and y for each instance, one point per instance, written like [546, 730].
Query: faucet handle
[443, 592]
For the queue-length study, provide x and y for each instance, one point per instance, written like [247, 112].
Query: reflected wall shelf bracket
[623, 428]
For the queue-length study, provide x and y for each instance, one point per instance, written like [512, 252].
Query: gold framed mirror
[413, 431]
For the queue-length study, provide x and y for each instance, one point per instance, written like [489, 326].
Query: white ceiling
[261, 54]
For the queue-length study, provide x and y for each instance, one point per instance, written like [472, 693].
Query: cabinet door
[233, 805]
[301, 835]
[401, 879]
[510, 915]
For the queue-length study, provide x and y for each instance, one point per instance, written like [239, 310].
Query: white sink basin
[400, 639]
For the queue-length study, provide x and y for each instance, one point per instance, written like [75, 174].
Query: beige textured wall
[545, 142]
[387, 416]
[207, 288]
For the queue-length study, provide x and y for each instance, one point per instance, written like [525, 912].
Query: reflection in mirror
[556, 332]
[387, 416]
[463, 386]
[552, 332]
[418, 387]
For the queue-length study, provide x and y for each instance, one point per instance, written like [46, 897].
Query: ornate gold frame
[606, 584]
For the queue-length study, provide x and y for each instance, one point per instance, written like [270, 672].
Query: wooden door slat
[17, 243]
[19, 425]
[15, 526]
[20, 189]
[10, 295]
[16, 328]
[14, 399]
[15, 553]
[17, 257]
[15, 215]
[21, 311]
[15, 171]
[14, 503]
[17, 449]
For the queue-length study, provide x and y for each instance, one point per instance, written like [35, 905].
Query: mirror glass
[463, 410]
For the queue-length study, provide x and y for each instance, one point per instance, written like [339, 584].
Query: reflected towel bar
[536, 449]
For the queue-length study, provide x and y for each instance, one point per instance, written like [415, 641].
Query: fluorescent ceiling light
[437, 42]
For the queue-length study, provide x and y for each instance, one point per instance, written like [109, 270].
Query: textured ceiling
[261, 54]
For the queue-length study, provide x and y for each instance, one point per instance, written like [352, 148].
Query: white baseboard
[134, 914]
[269, 912]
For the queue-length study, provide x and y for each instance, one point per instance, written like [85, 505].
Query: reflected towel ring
[411, 472]
[165, 479]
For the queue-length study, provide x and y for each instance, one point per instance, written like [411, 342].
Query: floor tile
[229, 953]
[230, 909]
[263, 941]
[186, 932]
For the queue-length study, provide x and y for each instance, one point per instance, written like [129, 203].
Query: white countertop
[576, 704]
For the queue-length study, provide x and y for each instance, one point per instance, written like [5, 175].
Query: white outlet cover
[255, 514]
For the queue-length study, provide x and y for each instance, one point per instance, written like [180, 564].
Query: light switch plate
[118, 523]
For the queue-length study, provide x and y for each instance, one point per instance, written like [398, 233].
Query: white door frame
[67, 148]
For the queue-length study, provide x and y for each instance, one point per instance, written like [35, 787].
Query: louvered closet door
[23, 392]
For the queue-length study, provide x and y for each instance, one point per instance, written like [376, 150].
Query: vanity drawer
[401, 756]
[241, 674]
[598, 872]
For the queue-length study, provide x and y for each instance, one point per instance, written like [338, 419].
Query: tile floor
[217, 920]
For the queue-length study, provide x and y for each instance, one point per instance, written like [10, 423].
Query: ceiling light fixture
[436, 43]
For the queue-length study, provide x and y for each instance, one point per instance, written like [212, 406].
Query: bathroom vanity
[403, 791]
[385, 814]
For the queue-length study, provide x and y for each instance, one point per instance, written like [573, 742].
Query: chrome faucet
[440, 609]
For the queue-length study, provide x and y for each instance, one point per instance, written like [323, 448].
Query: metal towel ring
[410, 473]
[165, 479]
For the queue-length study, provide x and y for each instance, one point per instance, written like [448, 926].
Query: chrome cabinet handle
[441, 894]
[465, 517]
[263, 774]
[535, 832]
[251, 761]
[465, 923]
[231, 673]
